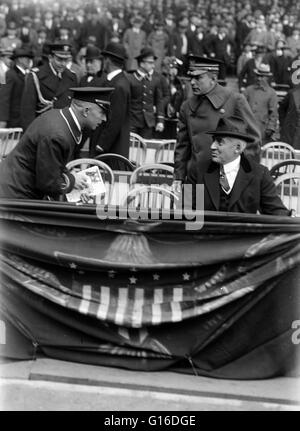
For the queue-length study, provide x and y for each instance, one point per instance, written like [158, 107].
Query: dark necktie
[223, 180]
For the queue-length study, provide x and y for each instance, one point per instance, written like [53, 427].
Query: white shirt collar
[74, 118]
[231, 170]
[232, 166]
[112, 74]
[21, 69]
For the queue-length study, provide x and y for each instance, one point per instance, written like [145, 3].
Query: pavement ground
[52, 385]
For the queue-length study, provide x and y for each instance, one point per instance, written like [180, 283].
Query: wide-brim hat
[115, 49]
[233, 127]
[145, 52]
[263, 70]
[22, 52]
[92, 53]
[98, 95]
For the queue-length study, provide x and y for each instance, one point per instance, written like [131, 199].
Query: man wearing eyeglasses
[48, 86]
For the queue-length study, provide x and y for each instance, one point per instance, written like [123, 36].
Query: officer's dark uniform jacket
[36, 166]
[53, 89]
[113, 136]
[146, 108]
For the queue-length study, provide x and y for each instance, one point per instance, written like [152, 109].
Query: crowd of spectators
[242, 34]
[217, 28]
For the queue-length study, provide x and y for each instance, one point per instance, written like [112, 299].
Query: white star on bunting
[156, 276]
[133, 269]
[132, 280]
[186, 276]
[73, 265]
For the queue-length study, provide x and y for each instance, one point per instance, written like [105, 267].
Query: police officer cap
[62, 50]
[98, 95]
[200, 65]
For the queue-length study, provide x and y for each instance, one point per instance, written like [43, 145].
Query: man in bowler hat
[113, 136]
[11, 92]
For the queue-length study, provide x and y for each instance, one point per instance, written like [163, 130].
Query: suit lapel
[242, 181]
[211, 180]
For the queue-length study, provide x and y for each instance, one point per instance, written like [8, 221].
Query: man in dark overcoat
[289, 117]
[36, 167]
[48, 86]
[201, 112]
[94, 65]
[113, 136]
[11, 92]
[234, 182]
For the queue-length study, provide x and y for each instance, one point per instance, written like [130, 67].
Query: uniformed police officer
[147, 109]
[202, 112]
[49, 86]
[36, 167]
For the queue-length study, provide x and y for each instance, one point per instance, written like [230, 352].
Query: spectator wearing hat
[93, 65]
[261, 35]
[176, 94]
[289, 117]
[134, 40]
[27, 33]
[5, 63]
[113, 136]
[11, 41]
[200, 42]
[38, 47]
[263, 101]
[80, 57]
[293, 42]
[159, 41]
[181, 42]
[11, 92]
[71, 22]
[169, 22]
[146, 107]
[36, 167]
[221, 49]
[201, 112]
[48, 86]
[247, 76]
[280, 62]
[243, 28]
[49, 24]
[234, 182]
[246, 54]
[94, 27]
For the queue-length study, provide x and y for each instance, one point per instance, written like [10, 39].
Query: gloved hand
[159, 127]
[177, 186]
